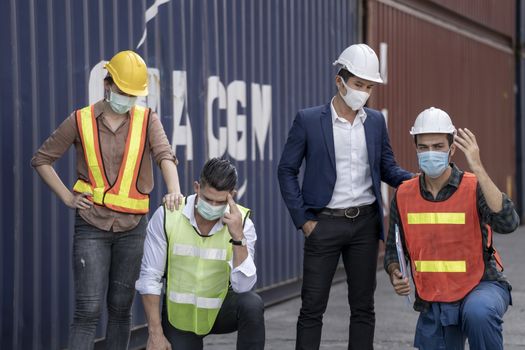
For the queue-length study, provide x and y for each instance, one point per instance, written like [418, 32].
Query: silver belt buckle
[350, 215]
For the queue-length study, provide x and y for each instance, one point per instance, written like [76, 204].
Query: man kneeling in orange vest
[445, 218]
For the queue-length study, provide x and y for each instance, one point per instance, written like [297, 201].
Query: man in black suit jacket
[338, 207]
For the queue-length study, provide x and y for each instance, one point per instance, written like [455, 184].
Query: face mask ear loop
[347, 88]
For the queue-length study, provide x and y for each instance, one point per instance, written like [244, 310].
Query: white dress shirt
[242, 278]
[353, 185]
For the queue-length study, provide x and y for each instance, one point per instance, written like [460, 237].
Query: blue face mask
[433, 163]
[120, 104]
[210, 212]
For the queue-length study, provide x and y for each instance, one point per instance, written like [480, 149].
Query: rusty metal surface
[495, 14]
[432, 65]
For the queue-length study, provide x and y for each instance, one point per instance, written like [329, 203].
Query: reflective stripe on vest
[436, 218]
[203, 303]
[88, 131]
[440, 266]
[123, 195]
[198, 272]
[443, 240]
[203, 253]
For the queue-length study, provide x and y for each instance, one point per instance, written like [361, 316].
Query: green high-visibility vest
[198, 272]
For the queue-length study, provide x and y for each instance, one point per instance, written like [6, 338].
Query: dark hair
[344, 74]
[450, 139]
[109, 79]
[219, 174]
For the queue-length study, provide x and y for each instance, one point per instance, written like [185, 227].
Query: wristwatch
[242, 242]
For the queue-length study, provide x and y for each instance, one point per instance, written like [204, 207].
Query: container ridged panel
[50, 49]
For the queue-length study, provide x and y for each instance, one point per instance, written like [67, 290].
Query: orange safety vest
[121, 196]
[443, 239]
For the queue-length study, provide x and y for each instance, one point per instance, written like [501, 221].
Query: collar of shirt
[189, 213]
[361, 114]
[448, 189]
[99, 108]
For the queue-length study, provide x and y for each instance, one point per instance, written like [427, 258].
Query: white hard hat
[361, 61]
[433, 121]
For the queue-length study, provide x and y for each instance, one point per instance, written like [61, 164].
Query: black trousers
[357, 241]
[243, 312]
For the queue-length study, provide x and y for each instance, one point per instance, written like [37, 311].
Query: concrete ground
[395, 321]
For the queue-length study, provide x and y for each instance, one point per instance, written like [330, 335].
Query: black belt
[351, 212]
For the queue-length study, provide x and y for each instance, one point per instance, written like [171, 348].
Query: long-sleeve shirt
[242, 277]
[112, 144]
[353, 184]
[505, 221]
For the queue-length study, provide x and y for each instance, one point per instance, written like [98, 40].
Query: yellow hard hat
[129, 72]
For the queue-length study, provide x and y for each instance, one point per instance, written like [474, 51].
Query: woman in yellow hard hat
[116, 142]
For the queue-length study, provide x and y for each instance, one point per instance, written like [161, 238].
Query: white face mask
[120, 104]
[354, 99]
[209, 211]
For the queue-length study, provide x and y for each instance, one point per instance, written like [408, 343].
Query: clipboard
[402, 261]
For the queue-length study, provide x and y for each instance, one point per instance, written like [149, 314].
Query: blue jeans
[104, 261]
[478, 317]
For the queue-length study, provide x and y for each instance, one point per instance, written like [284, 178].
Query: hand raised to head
[233, 219]
[465, 140]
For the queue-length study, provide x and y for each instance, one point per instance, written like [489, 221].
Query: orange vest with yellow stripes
[443, 239]
[121, 196]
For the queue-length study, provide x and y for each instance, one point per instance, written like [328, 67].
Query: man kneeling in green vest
[205, 251]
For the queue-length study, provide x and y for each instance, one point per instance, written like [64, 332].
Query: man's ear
[452, 150]
[339, 82]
